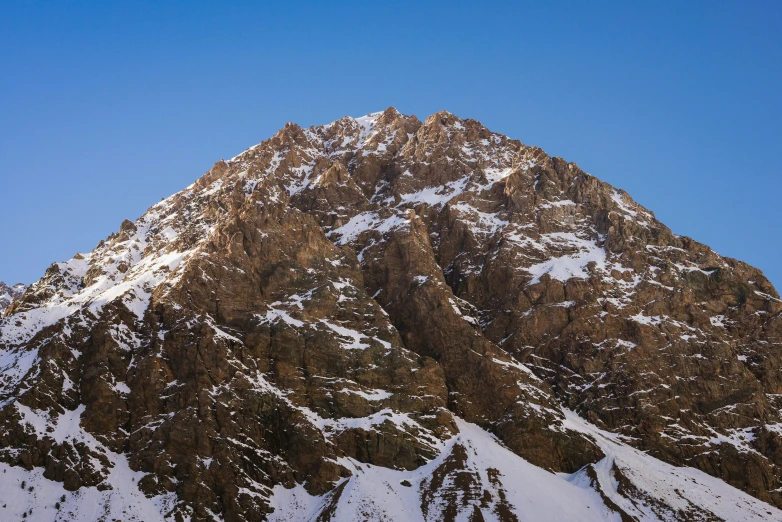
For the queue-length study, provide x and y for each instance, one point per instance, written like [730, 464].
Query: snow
[64, 427]
[133, 287]
[647, 319]
[518, 366]
[738, 438]
[437, 196]
[481, 223]
[145, 276]
[569, 266]
[366, 221]
[402, 421]
[367, 124]
[377, 493]
[678, 488]
[354, 336]
[124, 269]
[768, 296]
[274, 314]
[493, 175]
[124, 501]
[348, 338]
[371, 395]
[121, 387]
[15, 365]
[624, 207]
[561, 203]
[10, 294]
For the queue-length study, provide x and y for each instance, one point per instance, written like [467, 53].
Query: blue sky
[106, 107]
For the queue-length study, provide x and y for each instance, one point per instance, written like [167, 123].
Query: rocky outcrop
[8, 294]
[383, 297]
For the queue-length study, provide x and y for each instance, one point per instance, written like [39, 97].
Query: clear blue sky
[105, 107]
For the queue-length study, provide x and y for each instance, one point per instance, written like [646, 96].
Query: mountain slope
[363, 303]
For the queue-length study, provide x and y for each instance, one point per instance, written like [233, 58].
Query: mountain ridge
[324, 278]
[9, 293]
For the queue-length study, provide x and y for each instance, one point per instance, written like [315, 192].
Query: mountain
[9, 293]
[388, 319]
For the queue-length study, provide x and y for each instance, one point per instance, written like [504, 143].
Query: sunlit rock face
[388, 319]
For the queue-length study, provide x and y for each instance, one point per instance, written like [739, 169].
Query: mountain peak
[432, 307]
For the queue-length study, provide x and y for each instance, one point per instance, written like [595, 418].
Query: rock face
[389, 319]
[9, 293]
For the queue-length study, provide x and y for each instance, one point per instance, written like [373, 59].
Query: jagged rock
[9, 294]
[383, 318]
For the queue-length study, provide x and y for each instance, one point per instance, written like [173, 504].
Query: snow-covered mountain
[9, 293]
[388, 319]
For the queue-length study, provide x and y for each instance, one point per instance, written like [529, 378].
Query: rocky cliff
[389, 319]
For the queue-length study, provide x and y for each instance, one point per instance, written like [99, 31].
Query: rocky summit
[389, 319]
[9, 294]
